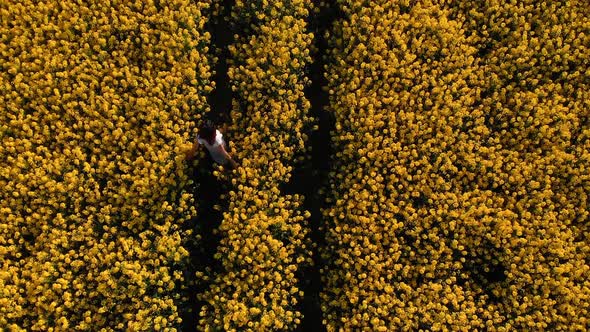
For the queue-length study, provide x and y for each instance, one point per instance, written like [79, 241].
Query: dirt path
[209, 190]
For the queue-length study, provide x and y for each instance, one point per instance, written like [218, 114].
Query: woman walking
[213, 141]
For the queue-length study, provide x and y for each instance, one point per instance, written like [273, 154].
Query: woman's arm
[190, 154]
[232, 162]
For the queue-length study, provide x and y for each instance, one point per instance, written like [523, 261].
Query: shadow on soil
[307, 179]
[208, 189]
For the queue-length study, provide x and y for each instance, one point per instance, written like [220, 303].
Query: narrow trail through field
[312, 176]
[209, 190]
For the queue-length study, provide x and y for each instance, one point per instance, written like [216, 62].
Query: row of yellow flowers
[263, 232]
[95, 102]
[459, 192]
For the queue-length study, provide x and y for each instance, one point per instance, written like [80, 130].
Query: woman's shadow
[207, 196]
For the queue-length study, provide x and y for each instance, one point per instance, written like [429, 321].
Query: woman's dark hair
[207, 131]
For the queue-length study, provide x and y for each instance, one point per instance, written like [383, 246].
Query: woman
[213, 141]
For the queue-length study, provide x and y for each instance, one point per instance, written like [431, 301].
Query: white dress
[214, 149]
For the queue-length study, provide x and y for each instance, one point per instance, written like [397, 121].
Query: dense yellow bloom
[461, 177]
[90, 111]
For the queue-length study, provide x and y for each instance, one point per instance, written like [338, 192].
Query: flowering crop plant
[97, 99]
[458, 198]
[264, 232]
